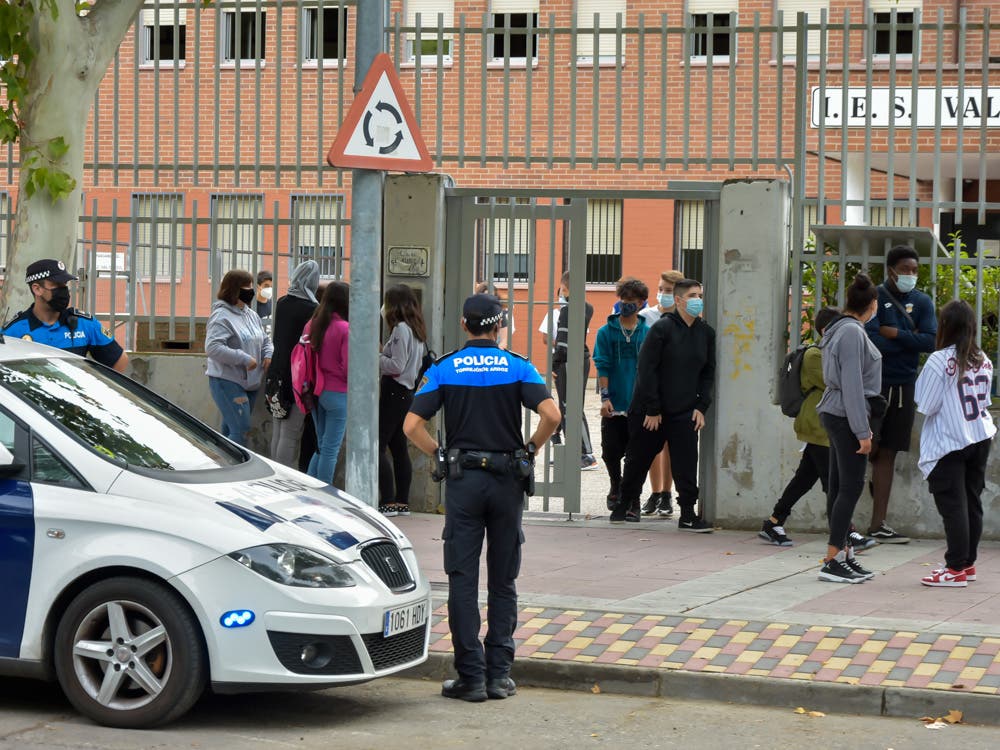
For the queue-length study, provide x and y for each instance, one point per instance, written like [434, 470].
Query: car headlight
[294, 566]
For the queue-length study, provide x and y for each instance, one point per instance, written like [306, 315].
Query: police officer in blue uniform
[50, 320]
[488, 469]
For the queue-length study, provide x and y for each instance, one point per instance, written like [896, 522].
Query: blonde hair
[671, 277]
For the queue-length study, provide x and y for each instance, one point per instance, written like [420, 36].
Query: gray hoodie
[852, 371]
[233, 337]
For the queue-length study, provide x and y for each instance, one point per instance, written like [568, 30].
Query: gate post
[751, 288]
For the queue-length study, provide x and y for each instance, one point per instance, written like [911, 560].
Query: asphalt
[646, 609]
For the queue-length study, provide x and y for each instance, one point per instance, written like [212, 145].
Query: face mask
[382, 311]
[266, 292]
[872, 316]
[629, 309]
[563, 299]
[665, 299]
[246, 296]
[59, 300]
[906, 283]
[694, 307]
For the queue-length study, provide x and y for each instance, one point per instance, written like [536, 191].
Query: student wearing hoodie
[291, 313]
[238, 353]
[616, 356]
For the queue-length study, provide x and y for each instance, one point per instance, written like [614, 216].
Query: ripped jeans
[235, 406]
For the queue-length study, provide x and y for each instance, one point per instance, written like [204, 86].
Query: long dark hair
[336, 300]
[401, 306]
[957, 325]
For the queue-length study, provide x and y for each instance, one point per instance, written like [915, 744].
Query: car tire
[128, 653]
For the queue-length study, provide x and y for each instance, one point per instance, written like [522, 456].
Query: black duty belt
[491, 461]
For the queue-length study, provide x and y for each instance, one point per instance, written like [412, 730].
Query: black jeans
[847, 477]
[394, 477]
[481, 503]
[815, 464]
[957, 483]
[614, 441]
[645, 445]
[561, 378]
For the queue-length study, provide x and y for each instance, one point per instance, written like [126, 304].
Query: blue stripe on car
[17, 547]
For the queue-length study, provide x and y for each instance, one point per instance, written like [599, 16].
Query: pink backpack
[307, 377]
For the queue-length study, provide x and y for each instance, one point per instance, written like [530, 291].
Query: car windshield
[109, 413]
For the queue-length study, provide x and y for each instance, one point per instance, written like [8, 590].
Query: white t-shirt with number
[956, 405]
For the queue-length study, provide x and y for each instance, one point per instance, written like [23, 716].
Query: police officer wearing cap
[50, 320]
[483, 390]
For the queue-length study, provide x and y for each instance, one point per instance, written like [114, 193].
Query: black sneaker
[474, 692]
[500, 688]
[632, 517]
[885, 535]
[666, 508]
[835, 571]
[557, 438]
[618, 512]
[859, 541]
[853, 564]
[774, 534]
[697, 525]
[612, 500]
[649, 507]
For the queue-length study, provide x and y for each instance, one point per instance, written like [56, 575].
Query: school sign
[883, 105]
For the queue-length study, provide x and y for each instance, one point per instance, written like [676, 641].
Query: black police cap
[483, 308]
[47, 268]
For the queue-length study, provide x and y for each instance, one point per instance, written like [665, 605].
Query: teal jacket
[616, 357]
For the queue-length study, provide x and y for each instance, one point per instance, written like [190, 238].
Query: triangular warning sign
[380, 131]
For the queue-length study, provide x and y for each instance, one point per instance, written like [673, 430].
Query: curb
[829, 697]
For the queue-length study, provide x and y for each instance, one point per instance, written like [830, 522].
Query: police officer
[50, 320]
[483, 390]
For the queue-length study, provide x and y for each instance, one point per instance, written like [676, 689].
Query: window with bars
[516, 44]
[318, 232]
[717, 40]
[791, 9]
[238, 231]
[158, 236]
[326, 40]
[882, 16]
[243, 36]
[6, 225]
[164, 34]
[504, 243]
[429, 48]
[689, 226]
[604, 241]
[899, 217]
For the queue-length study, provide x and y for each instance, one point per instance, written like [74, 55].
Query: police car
[145, 557]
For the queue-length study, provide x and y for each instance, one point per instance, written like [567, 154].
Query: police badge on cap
[48, 268]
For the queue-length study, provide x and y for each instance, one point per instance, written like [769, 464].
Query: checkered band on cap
[491, 319]
[38, 276]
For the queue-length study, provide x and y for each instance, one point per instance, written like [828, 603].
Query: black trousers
[395, 476]
[814, 465]
[614, 441]
[560, 376]
[480, 503]
[847, 477]
[645, 445]
[957, 483]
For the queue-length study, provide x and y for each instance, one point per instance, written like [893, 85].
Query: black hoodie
[676, 368]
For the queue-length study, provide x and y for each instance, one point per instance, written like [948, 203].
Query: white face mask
[266, 292]
[906, 283]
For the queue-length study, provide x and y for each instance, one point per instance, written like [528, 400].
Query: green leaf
[58, 148]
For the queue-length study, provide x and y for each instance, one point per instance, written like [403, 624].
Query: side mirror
[8, 466]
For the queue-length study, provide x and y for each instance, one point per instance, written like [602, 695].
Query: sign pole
[366, 254]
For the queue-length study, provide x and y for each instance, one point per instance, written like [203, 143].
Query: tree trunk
[73, 54]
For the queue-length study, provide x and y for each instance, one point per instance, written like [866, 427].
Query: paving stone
[717, 641]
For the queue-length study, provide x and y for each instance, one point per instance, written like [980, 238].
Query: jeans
[957, 483]
[395, 476]
[847, 477]
[235, 405]
[815, 464]
[286, 436]
[330, 418]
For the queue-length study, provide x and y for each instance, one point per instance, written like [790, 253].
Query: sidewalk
[648, 609]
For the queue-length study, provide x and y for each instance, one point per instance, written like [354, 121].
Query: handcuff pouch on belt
[520, 464]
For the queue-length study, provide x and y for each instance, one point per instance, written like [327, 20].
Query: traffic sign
[380, 131]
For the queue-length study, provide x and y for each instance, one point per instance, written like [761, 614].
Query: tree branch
[108, 22]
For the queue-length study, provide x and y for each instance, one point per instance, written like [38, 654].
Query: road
[403, 714]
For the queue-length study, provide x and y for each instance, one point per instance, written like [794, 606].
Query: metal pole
[366, 252]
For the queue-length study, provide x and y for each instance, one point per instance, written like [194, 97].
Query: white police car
[144, 556]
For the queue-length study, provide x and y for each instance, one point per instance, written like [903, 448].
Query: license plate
[401, 619]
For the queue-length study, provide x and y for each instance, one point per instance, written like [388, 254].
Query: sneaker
[402, 509]
[774, 534]
[970, 573]
[859, 541]
[632, 517]
[589, 463]
[946, 577]
[557, 438]
[618, 513]
[853, 564]
[612, 500]
[649, 507]
[666, 508]
[389, 510]
[696, 524]
[835, 571]
[885, 535]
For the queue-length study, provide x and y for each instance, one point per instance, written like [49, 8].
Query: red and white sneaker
[946, 577]
[970, 573]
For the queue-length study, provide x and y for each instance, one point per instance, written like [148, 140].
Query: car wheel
[128, 653]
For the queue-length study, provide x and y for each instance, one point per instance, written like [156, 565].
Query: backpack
[429, 359]
[790, 395]
[307, 377]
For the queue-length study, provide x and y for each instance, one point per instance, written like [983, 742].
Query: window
[243, 36]
[689, 222]
[158, 236]
[900, 217]
[48, 468]
[881, 41]
[519, 43]
[6, 224]
[428, 46]
[317, 232]
[238, 233]
[607, 45]
[504, 242]
[701, 44]
[324, 36]
[164, 33]
[604, 241]
[791, 10]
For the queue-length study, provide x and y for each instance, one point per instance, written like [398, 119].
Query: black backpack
[429, 359]
[790, 395]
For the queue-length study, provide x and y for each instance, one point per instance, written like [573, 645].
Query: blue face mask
[628, 309]
[665, 300]
[694, 307]
[905, 283]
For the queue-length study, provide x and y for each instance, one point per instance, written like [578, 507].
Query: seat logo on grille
[391, 564]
